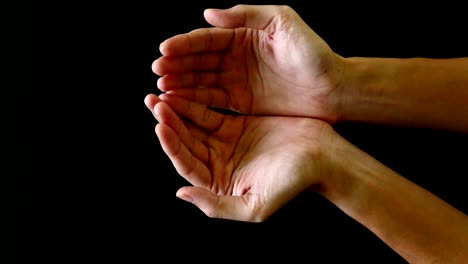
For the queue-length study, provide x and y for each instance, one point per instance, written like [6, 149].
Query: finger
[175, 81]
[166, 116]
[197, 133]
[196, 113]
[240, 208]
[187, 63]
[207, 96]
[188, 166]
[249, 16]
[198, 40]
[150, 101]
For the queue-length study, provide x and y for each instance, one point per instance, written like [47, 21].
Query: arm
[275, 64]
[418, 92]
[246, 167]
[415, 223]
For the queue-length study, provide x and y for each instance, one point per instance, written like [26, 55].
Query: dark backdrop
[112, 198]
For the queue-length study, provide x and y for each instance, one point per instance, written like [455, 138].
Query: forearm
[416, 92]
[415, 223]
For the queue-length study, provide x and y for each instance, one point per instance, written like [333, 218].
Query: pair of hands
[267, 64]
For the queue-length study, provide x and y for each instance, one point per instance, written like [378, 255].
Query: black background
[105, 194]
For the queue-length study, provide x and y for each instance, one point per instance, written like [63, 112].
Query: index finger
[203, 39]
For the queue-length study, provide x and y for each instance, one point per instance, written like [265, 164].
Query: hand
[261, 60]
[241, 167]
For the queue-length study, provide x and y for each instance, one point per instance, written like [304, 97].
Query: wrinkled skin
[241, 167]
[259, 60]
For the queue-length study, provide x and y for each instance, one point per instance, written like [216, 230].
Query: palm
[255, 162]
[252, 71]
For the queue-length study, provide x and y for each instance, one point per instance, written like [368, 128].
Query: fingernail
[185, 197]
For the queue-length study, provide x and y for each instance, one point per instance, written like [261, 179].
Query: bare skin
[245, 168]
[264, 60]
[233, 161]
[268, 68]
[266, 63]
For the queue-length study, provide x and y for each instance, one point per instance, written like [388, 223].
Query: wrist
[361, 88]
[325, 89]
[348, 87]
[342, 168]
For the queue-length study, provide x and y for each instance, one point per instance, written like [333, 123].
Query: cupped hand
[261, 60]
[240, 167]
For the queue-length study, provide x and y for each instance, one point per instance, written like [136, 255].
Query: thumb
[249, 16]
[220, 206]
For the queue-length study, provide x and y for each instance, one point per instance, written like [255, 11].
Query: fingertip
[162, 48]
[158, 109]
[210, 15]
[165, 135]
[157, 129]
[172, 101]
[216, 17]
[163, 112]
[209, 11]
[150, 100]
[184, 196]
[160, 84]
[164, 96]
[147, 100]
[154, 67]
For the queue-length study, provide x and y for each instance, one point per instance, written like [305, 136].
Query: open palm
[257, 60]
[241, 167]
